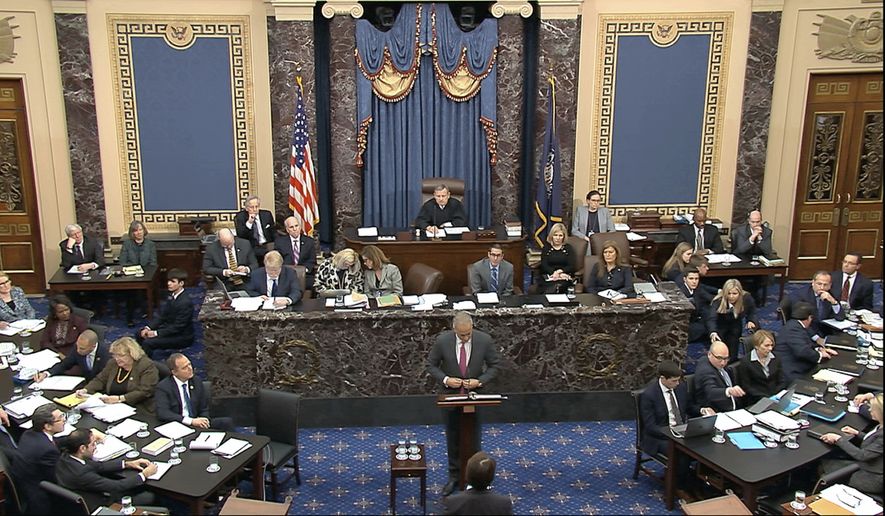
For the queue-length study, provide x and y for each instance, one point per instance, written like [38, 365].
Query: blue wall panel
[658, 120]
[185, 124]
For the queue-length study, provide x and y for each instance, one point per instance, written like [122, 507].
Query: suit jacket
[729, 327]
[327, 279]
[656, 418]
[287, 284]
[168, 400]
[796, 351]
[391, 281]
[579, 222]
[754, 382]
[869, 458]
[140, 385]
[431, 215]
[76, 325]
[307, 252]
[740, 242]
[443, 361]
[93, 251]
[621, 279]
[861, 294]
[134, 254]
[215, 260]
[479, 276]
[36, 460]
[267, 227]
[176, 318]
[806, 295]
[102, 355]
[90, 480]
[23, 308]
[709, 387]
[478, 501]
[700, 326]
[712, 240]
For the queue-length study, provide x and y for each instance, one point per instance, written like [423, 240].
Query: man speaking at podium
[462, 360]
[441, 210]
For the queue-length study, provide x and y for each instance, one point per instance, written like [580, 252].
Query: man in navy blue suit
[181, 398]
[798, 352]
[852, 287]
[700, 325]
[665, 403]
[255, 225]
[826, 305]
[702, 236]
[90, 357]
[37, 456]
[275, 282]
[715, 385]
[298, 249]
[174, 328]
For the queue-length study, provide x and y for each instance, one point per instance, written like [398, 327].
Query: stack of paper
[464, 305]
[487, 297]
[557, 298]
[112, 413]
[246, 304]
[41, 360]
[634, 237]
[828, 375]
[126, 428]
[207, 441]
[356, 300]
[232, 448]
[723, 258]
[69, 401]
[726, 421]
[133, 270]
[850, 499]
[388, 300]
[174, 430]
[25, 407]
[110, 448]
[157, 446]
[370, 231]
[614, 295]
[162, 468]
[59, 383]
[29, 324]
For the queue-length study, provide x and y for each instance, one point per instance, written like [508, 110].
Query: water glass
[841, 393]
[213, 466]
[862, 351]
[570, 292]
[831, 386]
[26, 342]
[413, 446]
[16, 392]
[127, 508]
[798, 502]
[179, 446]
[74, 415]
[133, 453]
[174, 459]
[143, 431]
[401, 447]
[792, 441]
[719, 436]
[819, 397]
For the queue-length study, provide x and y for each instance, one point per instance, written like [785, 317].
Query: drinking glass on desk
[143, 431]
[719, 436]
[174, 459]
[841, 393]
[74, 415]
[792, 441]
[798, 502]
[819, 397]
[133, 453]
[179, 446]
[831, 386]
[26, 342]
[213, 466]
[127, 508]
[16, 392]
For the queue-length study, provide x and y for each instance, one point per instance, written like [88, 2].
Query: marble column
[511, 94]
[758, 86]
[290, 49]
[79, 99]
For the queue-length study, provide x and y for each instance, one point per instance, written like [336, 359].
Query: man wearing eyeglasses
[850, 286]
[591, 218]
[715, 385]
[492, 274]
[798, 351]
[36, 457]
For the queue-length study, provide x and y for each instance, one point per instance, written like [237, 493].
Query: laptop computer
[765, 404]
[228, 294]
[696, 426]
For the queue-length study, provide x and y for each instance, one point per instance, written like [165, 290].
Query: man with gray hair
[81, 251]
[462, 359]
[230, 259]
[441, 211]
[255, 225]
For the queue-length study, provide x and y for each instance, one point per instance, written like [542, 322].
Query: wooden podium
[468, 424]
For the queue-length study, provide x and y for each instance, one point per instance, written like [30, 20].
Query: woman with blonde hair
[380, 277]
[733, 310]
[557, 261]
[341, 272]
[130, 377]
[678, 261]
[14, 304]
[760, 372]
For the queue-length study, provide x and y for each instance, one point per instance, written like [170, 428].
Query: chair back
[455, 185]
[6, 466]
[162, 369]
[589, 261]
[785, 309]
[87, 315]
[301, 274]
[277, 416]
[421, 279]
[100, 330]
[64, 501]
[618, 237]
[580, 247]
[636, 394]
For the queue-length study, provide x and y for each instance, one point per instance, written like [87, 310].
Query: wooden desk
[63, 282]
[451, 255]
[746, 268]
[408, 469]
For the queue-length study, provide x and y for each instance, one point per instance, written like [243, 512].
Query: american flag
[302, 180]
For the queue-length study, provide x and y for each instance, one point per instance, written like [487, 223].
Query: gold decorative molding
[333, 7]
[7, 40]
[520, 7]
[7, 94]
[17, 229]
[856, 39]
[291, 10]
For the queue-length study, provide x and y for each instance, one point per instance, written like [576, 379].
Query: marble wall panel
[290, 53]
[347, 182]
[79, 99]
[506, 175]
[756, 112]
[560, 45]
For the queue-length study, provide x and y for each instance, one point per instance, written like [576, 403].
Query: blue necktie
[187, 400]
[273, 289]
[494, 283]
[725, 377]
[820, 309]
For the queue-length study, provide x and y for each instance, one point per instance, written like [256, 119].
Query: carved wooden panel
[869, 177]
[863, 241]
[825, 150]
[11, 190]
[813, 244]
[17, 257]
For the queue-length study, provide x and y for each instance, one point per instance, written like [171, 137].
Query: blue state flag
[548, 203]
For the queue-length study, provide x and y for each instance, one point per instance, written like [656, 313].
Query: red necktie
[845, 288]
[462, 364]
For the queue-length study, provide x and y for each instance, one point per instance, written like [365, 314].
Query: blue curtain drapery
[414, 125]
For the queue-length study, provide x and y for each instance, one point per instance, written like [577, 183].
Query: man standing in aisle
[462, 360]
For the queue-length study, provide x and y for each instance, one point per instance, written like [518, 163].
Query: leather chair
[100, 330]
[580, 247]
[620, 240]
[162, 369]
[64, 501]
[277, 419]
[301, 273]
[87, 315]
[12, 496]
[641, 456]
[456, 187]
[421, 279]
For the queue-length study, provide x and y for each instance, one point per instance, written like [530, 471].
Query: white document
[777, 421]
[741, 416]
[422, 308]
[112, 413]
[620, 226]
[634, 237]
[487, 298]
[9, 331]
[268, 305]
[207, 441]
[655, 297]
[109, 448]
[828, 375]
[93, 401]
[162, 468]
[41, 360]
[330, 302]
[440, 232]
[457, 230]
[74, 270]
[433, 299]
[464, 305]
[59, 383]
[851, 500]
[355, 300]
[557, 298]
[411, 300]
[125, 428]
[723, 258]
[367, 232]
[25, 407]
[839, 325]
[232, 448]
[29, 324]
[246, 304]
[174, 430]
[725, 423]
[614, 295]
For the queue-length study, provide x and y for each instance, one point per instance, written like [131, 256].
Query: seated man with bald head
[714, 384]
[752, 238]
[703, 237]
[90, 357]
[230, 259]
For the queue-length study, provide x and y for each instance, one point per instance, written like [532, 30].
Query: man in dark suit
[850, 286]
[798, 352]
[255, 225]
[93, 481]
[752, 238]
[37, 456]
[230, 259]
[273, 281]
[827, 307]
[700, 325]
[7, 442]
[181, 398]
[440, 211]
[657, 411]
[298, 249]
[90, 357]
[714, 384]
[492, 274]
[479, 499]
[84, 252]
[174, 328]
[704, 237]
[461, 360]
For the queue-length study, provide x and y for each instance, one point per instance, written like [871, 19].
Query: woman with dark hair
[380, 277]
[612, 273]
[136, 250]
[63, 327]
